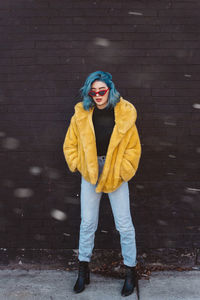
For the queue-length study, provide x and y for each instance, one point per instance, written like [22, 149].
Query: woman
[103, 144]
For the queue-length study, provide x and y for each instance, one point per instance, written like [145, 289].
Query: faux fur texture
[123, 153]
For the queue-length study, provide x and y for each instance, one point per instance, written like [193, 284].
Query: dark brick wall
[47, 49]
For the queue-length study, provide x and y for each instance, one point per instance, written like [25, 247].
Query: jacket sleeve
[131, 157]
[70, 146]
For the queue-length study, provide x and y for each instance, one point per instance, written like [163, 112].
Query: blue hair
[113, 97]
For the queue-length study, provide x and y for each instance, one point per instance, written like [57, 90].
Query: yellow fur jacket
[124, 149]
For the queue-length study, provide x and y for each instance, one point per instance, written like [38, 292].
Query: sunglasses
[101, 93]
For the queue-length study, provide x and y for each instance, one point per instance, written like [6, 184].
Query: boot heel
[83, 277]
[87, 279]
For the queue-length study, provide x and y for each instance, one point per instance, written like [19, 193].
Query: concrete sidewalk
[58, 285]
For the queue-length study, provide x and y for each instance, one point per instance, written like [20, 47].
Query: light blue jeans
[120, 204]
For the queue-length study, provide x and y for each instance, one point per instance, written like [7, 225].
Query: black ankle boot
[83, 276]
[131, 281]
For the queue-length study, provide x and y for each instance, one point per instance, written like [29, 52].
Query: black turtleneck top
[104, 121]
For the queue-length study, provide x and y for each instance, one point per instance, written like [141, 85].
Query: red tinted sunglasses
[101, 93]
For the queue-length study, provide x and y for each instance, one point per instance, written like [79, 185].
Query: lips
[98, 99]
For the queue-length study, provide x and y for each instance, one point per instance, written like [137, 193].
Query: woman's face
[101, 101]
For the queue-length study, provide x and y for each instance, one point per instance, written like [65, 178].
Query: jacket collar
[125, 115]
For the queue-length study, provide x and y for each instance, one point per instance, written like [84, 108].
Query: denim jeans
[120, 204]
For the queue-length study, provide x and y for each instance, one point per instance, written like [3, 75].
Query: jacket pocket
[127, 171]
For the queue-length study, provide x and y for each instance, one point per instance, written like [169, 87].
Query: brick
[28, 4]
[181, 4]
[48, 60]
[185, 84]
[180, 44]
[34, 20]
[185, 92]
[184, 20]
[32, 108]
[34, 117]
[5, 61]
[34, 12]
[186, 36]
[23, 61]
[68, 28]
[31, 92]
[54, 44]
[85, 4]
[147, 36]
[170, 68]
[18, 45]
[178, 12]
